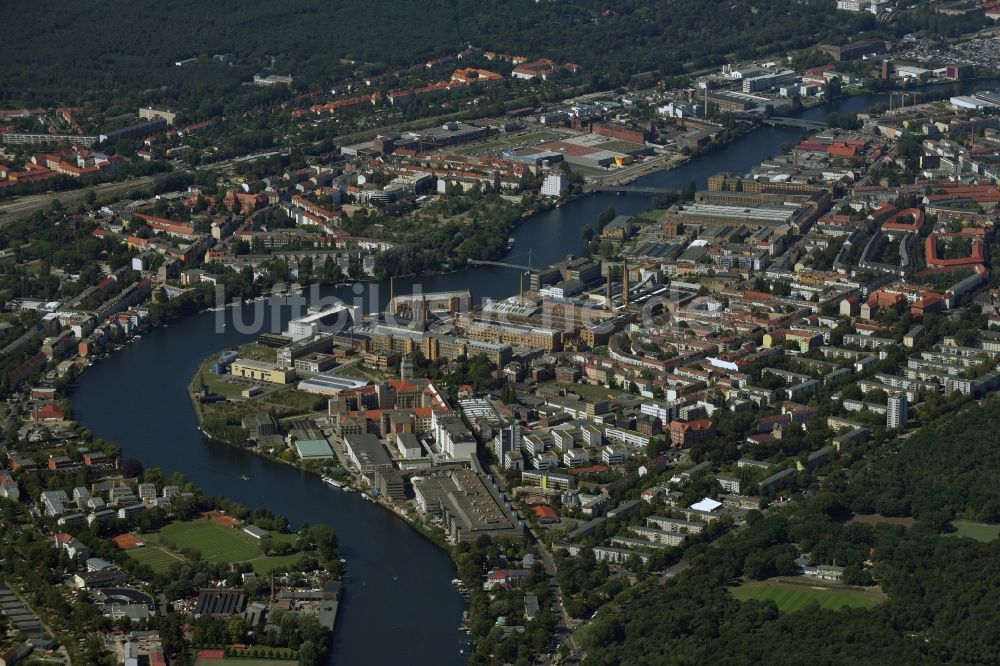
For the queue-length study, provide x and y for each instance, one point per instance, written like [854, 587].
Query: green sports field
[246, 662]
[979, 531]
[157, 559]
[790, 597]
[215, 541]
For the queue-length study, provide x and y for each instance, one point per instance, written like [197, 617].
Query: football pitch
[157, 559]
[790, 597]
[215, 541]
[245, 662]
[978, 531]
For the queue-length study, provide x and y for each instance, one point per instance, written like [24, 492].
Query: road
[549, 564]
[673, 571]
[567, 625]
[25, 206]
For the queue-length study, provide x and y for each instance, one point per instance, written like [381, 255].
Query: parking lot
[980, 52]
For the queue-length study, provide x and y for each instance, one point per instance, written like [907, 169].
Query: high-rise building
[508, 439]
[406, 368]
[897, 413]
[554, 185]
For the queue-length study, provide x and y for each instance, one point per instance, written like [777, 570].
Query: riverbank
[136, 398]
[355, 483]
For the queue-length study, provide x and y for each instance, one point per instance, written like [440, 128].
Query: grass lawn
[266, 564]
[530, 140]
[215, 541]
[273, 657]
[214, 382]
[221, 543]
[258, 352]
[245, 662]
[157, 559]
[297, 401]
[790, 597]
[651, 215]
[875, 519]
[588, 391]
[355, 370]
[979, 531]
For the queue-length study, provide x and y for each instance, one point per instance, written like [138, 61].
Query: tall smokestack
[521, 290]
[607, 301]
[392, 292]
[625, 282]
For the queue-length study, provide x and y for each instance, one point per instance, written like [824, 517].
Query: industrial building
[329, 320]
[468, 505]
[261, 371]
[367, 454]
[734, 102]
[854, 50]
[766, 82]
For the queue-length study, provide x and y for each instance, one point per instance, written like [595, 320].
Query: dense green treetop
[72, 52]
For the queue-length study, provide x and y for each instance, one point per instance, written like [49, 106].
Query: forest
[64, 52]
[941, 589]
[949, 467]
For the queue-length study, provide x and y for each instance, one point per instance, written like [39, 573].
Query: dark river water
[399, 605]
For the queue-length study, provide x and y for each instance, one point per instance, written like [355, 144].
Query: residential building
[554, 185]
[898, 411]
[685, 434]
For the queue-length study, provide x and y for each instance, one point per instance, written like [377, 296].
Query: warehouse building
[261, 371]
[468, 505]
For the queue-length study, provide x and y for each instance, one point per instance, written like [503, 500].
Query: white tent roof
[706, 504]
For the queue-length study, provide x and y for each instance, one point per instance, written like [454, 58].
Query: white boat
[244, 477]
[332, 482]
[510, 242]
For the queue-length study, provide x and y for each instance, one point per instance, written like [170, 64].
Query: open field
[979, 531]
[265, 565]
[214, 382]
[875, 519]
[157, 559]
[651, 215]
[297, 401]
[517, 140]
[790, 597]
[216, 542]
[588, 391]
[237, 661]
[215, 657]
[256, 352]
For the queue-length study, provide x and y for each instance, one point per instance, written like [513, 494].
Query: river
[399, 605]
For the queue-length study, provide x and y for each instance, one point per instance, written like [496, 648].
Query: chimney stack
[607, 302]
[625, 282]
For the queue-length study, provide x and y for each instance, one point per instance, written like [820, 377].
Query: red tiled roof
[700, 424]
[545, 512]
